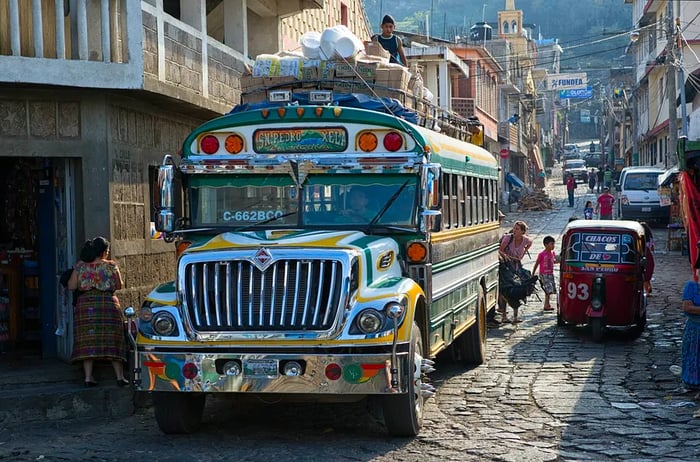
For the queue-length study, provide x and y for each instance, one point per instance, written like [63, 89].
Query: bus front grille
[289, 295]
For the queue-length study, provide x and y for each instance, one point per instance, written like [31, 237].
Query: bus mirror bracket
[431, 221]
[165, 196]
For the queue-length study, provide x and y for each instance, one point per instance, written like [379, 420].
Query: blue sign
[578, 93]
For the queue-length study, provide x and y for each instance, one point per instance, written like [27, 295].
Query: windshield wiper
[391, 200]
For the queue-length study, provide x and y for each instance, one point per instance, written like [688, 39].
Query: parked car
[571, 151]
[638, 197]
[578, 168]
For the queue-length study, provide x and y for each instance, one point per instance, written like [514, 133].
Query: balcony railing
[126, 44]
[510, 133]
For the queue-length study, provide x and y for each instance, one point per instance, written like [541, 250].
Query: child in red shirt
[545, 262]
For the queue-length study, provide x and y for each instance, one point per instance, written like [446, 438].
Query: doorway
[37, 242]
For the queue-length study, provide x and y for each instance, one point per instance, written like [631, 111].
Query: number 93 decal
[577, 291]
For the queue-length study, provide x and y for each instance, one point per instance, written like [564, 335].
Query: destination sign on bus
[300, 140]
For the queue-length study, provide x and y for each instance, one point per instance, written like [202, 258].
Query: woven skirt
[690, 352]
[98, 327]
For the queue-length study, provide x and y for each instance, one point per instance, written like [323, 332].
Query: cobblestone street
[545, 393]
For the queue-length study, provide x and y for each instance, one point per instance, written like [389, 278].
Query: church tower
[510, 20]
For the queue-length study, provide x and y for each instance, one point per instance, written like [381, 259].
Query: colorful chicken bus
[323, 250]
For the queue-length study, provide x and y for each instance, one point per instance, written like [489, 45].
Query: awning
[537, 159]
[668, 177]
[514, 180]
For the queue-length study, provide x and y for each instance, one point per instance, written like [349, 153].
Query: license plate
[646, 209]
[262, 368]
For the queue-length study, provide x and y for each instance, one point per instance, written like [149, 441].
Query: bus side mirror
[165, 196]
[430, 184]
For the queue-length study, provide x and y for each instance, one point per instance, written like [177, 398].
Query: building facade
[93, 94]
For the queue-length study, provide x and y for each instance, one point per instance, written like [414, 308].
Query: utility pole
[681, 79]
[671, 87]
[635, 145]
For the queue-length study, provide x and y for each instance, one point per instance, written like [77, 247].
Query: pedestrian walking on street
[588, 211]
[545, 262]
[591, 181]
[604, 205]
[601, 177]
[514, 246]
[607, 177]
[98, 321]
[649, 254]
[570, 187]
[690, 348]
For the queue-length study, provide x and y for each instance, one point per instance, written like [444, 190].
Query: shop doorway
[37, 242]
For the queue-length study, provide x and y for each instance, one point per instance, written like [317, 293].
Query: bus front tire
[178, 412]
[403, 413]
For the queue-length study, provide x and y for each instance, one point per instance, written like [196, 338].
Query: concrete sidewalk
[34, 389]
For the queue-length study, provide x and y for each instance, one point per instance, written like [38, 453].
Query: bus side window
[471, 216]
[461, 209]
[446, 219]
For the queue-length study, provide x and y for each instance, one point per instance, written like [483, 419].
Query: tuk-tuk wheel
[560, 320]
[596, 329]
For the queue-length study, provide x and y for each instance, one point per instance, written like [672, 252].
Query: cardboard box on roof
[310, 69]
[367, 69]
[248, 82]
[326, 70]
[344, 86]
[393, 76]
[343, 69]
[373, 48]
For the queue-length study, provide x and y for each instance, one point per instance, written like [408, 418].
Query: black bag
[515, 283]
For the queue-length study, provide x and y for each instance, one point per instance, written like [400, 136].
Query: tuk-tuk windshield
[601, 248]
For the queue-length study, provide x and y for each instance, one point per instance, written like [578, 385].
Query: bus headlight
[163, 323]
[370, 321]
[394, 310]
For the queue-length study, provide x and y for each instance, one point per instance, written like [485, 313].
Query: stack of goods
[334, 60]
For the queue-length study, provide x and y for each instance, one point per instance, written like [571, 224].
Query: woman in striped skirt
[98, 321]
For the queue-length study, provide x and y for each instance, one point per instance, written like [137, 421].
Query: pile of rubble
[535, 200]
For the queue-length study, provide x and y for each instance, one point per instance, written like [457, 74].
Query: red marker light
[333, 371]
[393, 141]
[209, 144]
[189, 371]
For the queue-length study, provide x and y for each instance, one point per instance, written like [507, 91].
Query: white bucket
[348, 46]
[328, 38]
[339, 42]
[311, 45]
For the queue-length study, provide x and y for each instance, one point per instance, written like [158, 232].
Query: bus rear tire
[403, 413]
[178, 412]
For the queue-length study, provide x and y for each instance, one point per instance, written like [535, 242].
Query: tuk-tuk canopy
[605, 225]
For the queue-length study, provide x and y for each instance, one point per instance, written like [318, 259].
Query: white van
[638, 197]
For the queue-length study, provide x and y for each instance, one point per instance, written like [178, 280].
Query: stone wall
[139, 136]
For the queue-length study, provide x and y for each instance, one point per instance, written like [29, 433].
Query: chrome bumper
[204, 372]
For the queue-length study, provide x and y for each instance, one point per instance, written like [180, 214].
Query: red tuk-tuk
[601, 275]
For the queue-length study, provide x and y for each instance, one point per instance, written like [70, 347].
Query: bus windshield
[324, 200]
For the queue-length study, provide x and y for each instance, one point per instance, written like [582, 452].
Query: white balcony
[118, 44]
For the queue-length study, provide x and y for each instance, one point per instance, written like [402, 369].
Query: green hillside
[577, 24]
